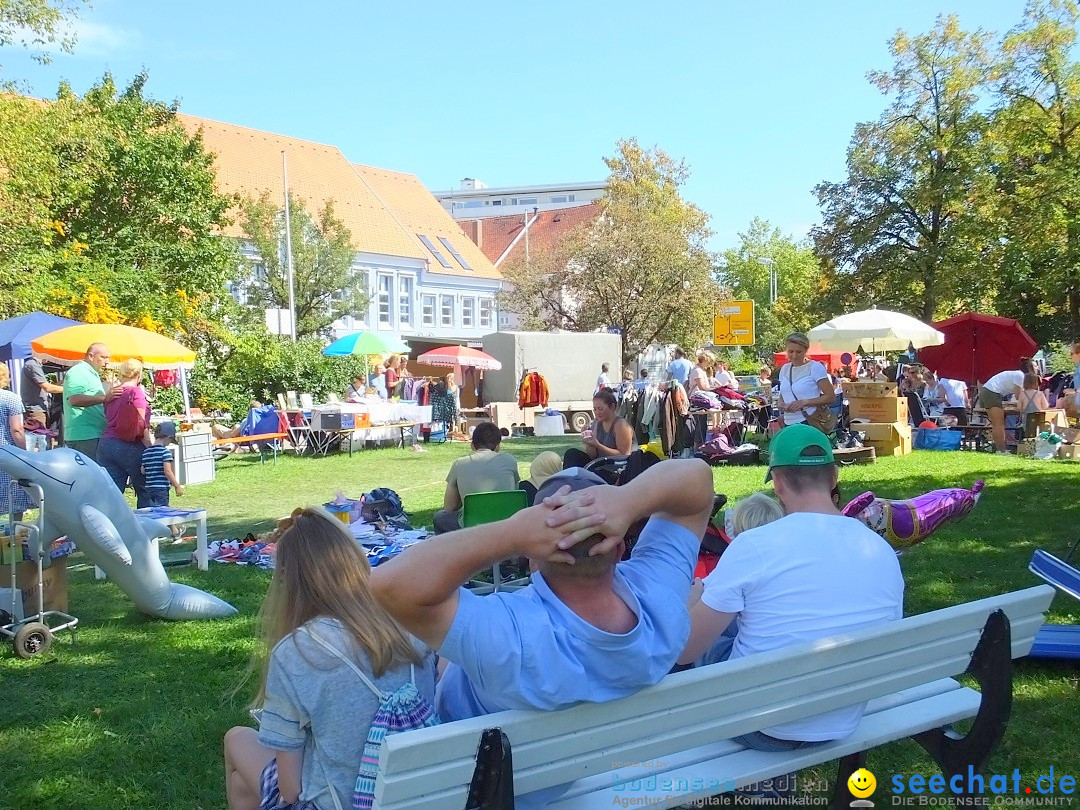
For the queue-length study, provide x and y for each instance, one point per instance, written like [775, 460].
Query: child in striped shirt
[157, 468]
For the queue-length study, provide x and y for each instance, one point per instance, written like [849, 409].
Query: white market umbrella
[876, 330]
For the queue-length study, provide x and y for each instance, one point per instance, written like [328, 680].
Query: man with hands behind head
[589, 627]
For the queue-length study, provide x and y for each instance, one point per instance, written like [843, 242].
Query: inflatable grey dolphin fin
[82, 502]
[100, 528]
[153, 528]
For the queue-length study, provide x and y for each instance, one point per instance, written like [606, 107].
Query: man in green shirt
[483, 470]
[84, 401]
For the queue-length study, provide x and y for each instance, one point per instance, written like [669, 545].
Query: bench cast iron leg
[492, 785]
[842, 797]
[991, 665]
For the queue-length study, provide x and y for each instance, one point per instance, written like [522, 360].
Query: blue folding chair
[1056, 640]
[489, 507]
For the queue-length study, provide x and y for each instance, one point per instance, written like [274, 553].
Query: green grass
[133, 715]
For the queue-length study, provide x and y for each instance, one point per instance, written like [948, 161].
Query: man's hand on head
[588, 512]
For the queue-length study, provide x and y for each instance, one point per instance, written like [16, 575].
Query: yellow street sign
[733, 324]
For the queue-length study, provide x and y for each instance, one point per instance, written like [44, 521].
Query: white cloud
[98, 39]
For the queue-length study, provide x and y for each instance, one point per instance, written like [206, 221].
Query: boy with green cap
[812, 574]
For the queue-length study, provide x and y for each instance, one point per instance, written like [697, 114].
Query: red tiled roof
[495, 234]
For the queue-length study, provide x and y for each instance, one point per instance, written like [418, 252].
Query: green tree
[1037, 153]
[37, 24]
[641, 269]
[745, 271]
[900, 229]
[324, 284]
[115, 203]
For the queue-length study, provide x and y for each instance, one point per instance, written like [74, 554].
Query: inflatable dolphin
[82, 502]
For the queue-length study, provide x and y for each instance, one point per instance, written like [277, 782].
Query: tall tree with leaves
[324, 284]
[38, 24]
[641, 269]
[895, 229]
[745, 271]
[1036, 135]
[114, 214]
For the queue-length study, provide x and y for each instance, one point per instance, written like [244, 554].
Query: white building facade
[474, 200]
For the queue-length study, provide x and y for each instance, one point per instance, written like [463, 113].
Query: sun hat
[787, 449]
[543, 467]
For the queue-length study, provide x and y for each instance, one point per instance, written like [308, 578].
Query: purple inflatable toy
[905, 523]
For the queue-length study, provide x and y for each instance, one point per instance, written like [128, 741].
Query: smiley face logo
[861, 783]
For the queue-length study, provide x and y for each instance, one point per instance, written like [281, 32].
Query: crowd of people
[596, 623]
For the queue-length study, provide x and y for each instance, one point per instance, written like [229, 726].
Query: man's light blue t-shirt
[527, 649]
[680, 369]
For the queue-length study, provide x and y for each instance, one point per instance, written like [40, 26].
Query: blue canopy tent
[16, 334]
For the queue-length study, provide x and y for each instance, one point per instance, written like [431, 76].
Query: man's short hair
[486, 436]
[807, 479]
[585, 567]
[605, 366]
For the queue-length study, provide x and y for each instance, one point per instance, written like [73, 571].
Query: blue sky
[759, 99]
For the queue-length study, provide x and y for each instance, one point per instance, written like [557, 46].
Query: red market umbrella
[977, 347]
[452, 356]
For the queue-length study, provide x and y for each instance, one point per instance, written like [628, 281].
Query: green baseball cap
[789, 445]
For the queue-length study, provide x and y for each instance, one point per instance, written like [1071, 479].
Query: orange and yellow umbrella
[68, 346]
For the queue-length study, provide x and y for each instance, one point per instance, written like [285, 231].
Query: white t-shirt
[1004, 383]
[727, 379]
[955, 392]
[805, 577]
[697, 379]
[801, 383]
[602, 382]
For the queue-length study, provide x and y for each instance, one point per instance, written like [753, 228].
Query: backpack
[130, 418]
[383, 505]
[404, 709]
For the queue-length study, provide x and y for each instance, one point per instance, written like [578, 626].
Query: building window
[453, 251]
[405, 284]
[427, 310]
[434, 251]
[558, 199]
[529, 201]
[468, 310]
[496, 202]
[569, 197]
[386, 284]
[486, 306]
[446, 310]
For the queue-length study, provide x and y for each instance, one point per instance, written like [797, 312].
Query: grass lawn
[133, 716]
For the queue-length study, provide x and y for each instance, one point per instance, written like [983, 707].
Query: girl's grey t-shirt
[310, 692]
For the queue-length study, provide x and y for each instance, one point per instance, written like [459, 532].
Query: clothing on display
[533, 391]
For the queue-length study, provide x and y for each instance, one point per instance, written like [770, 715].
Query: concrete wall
[569, 361]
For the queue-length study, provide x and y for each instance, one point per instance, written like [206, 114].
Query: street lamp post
[774, 278]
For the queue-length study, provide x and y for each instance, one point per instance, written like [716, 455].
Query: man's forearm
[86, 400]
[430, 572]
[678, 487]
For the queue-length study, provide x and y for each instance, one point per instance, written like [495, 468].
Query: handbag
[822, 418]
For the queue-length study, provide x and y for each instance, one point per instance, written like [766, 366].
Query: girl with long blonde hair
[313, 710]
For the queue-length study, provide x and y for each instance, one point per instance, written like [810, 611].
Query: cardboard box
[887, 439]
[54, 582]
[869, 390]
[1033, 422]
[1070, 452]
[879, 409]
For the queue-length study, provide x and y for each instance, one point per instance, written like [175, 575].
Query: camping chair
[489, 507]
[1056, 640]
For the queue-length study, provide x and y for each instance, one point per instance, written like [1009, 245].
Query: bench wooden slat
[745, 765]
[696, 708]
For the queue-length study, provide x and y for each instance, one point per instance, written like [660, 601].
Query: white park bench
[680, 730]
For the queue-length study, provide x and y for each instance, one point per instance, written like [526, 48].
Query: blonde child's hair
[753, 511]
[320, 570]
